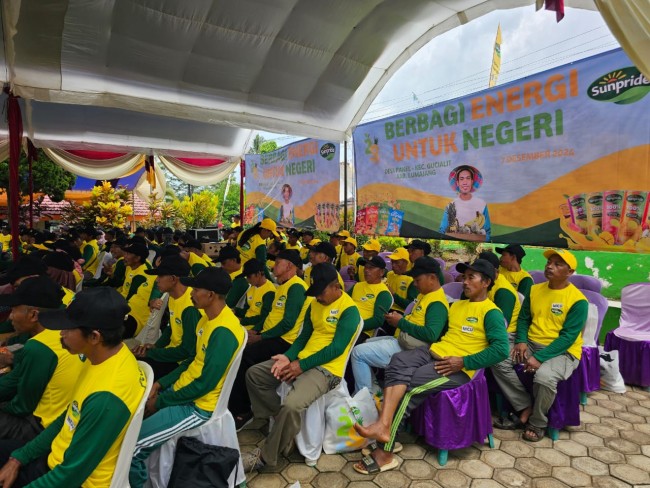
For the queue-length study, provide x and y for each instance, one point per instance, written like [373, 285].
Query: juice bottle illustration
[612, 211]
[594, 212]
[631, 227]
[578, 206]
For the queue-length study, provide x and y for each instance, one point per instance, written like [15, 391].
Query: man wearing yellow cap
[399, 283]
[548, 342]
[369, 250]
[350, 256]
[252, 242]
[336, 240]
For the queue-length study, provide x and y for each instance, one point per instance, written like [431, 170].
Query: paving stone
[631, 417]
[432, 459]
[571, 448]
[636, 394]
[352, 456]
[645, 428]
[639, 410]
[466, 453]
[498, 459]
[391, 479]
[599, 411]
[645, 403]
[413, 451]
[484, 446]
[422, 484]
[475, 468]
[635, 436]
[282, 463]
[483, 483]
[587, 439]
[299, 472]
[571, 476]
[590, 466]
[608, 482]
[645, 450]
[589, 418]
[360, 484]
[507, 435]
[271, 480]
[512, 477]
[247, 436]
[533, 467]
[607, 455]
[518, 449]
[610, 405]
[622, 399]
[621, 445]
[602, 430]
[641, 462]
[629, 474]
[548, 483]
[552, 457]
[418, 469]
[349, 472]
[617, 423]
[330, 480]
[330, 462]
[575, 428]
[598, 395]
[452, 479]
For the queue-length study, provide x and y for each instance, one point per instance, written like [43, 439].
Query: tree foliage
[197, 212]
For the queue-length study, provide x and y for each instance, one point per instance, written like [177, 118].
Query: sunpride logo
[623, 86]
[327, 151]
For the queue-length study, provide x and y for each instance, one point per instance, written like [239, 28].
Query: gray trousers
[545, 383]
[265, 403]
[19, 428]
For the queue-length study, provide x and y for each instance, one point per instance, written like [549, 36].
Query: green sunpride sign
[622, 86]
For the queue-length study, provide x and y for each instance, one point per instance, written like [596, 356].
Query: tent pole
[345, 184]
[15, 123]
[242, 171]
[30, 159]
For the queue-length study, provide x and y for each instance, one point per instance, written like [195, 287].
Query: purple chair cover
[457, 418]
[442, 263]
[537, 276]
[589, 369]
[449, 278]
[635, 313]
[389, 264]
[454, 272]
[602, 305]
[586, 282]
[453, 290]
[633, 358]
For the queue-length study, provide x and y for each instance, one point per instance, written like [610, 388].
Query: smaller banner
[296, 186]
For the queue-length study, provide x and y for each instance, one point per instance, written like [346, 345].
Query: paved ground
[610, 448]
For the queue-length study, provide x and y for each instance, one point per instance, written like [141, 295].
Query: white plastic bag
[340, 416]
[610, 376]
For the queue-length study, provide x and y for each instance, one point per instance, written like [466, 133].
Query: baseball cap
[58, 260]
[480, 265]
[490, 257]
[350, 240]
[293, 232]
[212, 279]
[424, 265]
[171, 265]
[251, 267]
[372, 245]
[227, 252]
[193, 244]
[313, 243]
[418, 244]
[565, 255]
[24, 266]
[342, 233]
[308, 233]
[101, 308]
[375, 262]
[290, 255]
[268, 224]
[137, 248]
[326, 248]
[39, 291]
[514, 249]
[400, 253]
[322, 274]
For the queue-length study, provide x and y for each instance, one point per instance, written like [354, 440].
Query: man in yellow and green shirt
[230, 261]
[372, 297]
[400, 284]
[89, 251]
[510, 267]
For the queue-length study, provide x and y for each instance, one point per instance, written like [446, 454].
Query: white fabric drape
[629, 21]
[4, 149]
[143, 188]
[199, 175]
[103, 169]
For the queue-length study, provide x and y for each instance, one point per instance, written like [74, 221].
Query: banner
[561, 158]
[296, 186]
[496, 59]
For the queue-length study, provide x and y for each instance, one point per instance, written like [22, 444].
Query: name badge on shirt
[468, 329]
[557, 308]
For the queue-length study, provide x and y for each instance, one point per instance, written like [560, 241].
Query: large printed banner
[297, 185]
[561, 158]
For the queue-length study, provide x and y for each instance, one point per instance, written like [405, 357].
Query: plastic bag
[340, 416]
[610, 376]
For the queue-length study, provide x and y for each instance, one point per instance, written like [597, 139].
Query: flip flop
[511, 422]
[532, 433]
[397, 447]
[370, 466]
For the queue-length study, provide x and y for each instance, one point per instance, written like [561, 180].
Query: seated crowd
[299, 306]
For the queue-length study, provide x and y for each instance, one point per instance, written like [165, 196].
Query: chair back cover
[635, 312]
[602, 305]
[100, 268]
[586, 282]
[453, 290]
[537, 276]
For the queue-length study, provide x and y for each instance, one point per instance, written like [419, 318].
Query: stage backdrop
[297, 185]
[561, 158]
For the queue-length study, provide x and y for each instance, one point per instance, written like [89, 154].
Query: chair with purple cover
[453, 290]
[449, 278]
[586, 282]
[347, 281]
[389, 264]
[590, 361]
[537, 276]
[442, 263]
[454, 419]
[454, 272]
[632, 337]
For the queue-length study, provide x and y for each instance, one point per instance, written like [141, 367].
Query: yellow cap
[372, 245]
[399, 253]
[565, 255]
[351, 240]
[314, 242]
[268, 224]
[343, 233]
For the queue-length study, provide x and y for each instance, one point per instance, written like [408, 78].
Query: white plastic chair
[121, 474]
[151, 256]
[151, 330]
[79, 286]
[100, 266]
[309, 440]
[218, 431]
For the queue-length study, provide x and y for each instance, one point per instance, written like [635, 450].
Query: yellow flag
[496, 59]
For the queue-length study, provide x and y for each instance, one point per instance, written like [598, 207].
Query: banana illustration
[477, 222]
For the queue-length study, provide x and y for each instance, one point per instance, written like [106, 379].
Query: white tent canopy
[195, 76]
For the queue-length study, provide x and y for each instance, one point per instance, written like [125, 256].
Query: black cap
[375, 261]
[170, 250]
[490, 257]
[137, 248]
[24, 266]
[514, 249]
[58, 260]
[227, 252]
[293, 232]
[418, 244]
[292, 256]
[322, 274]
[193, 243]
[326, 248]
[173, 265]
[251, 267]
[425, 265]
[212, 279]
[481, 265]
[101, 308]
[307, 233]
[39, 291]
[120, 242]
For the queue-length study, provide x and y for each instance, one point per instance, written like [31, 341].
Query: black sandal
[510, 422]
[532, 433]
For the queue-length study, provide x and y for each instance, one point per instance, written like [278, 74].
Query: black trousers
[240, 402]
[19, 428]
[160, 368]
[28, 472]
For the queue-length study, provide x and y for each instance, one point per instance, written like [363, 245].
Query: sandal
[397, 447]
[532, 433]
[510, 422]
[370, 466]
[243, 420]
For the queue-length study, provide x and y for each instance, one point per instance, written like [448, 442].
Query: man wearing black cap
[475, 338]
[193, 252]
[293, 236]
[276, 334]
[372, 297]
[81, 446]
[186, 398]
[323, 252]
[231, 262]
[116, 273]
[139, 289]
[259, 296]
[417, 249]
[306, 238]
[510, 268]
[177, 342]
[37, 390]
[314, 365]
[423, 326]
[89, 251]
[502, 293]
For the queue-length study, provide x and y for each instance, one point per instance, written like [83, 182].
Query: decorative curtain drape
[199, 172]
